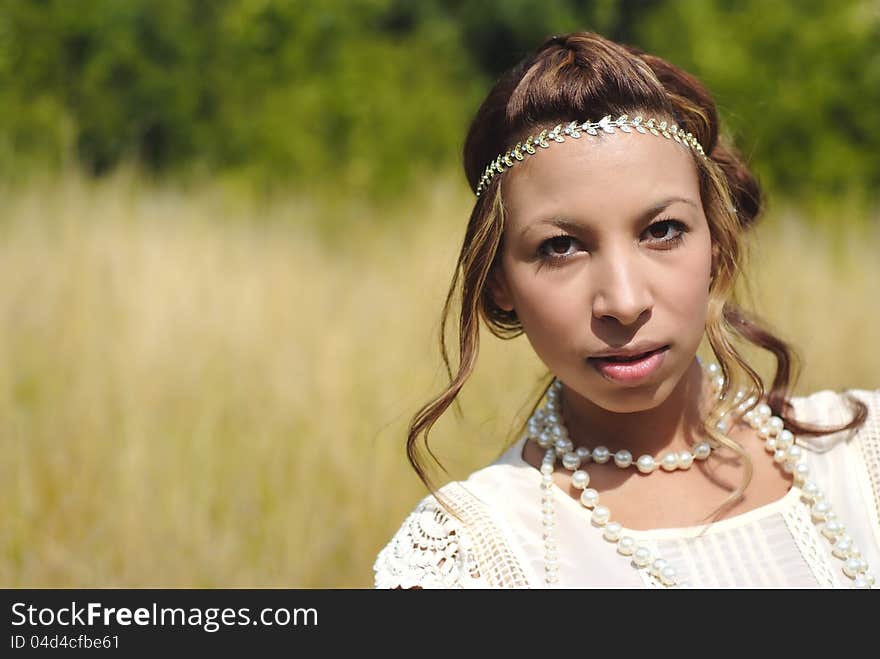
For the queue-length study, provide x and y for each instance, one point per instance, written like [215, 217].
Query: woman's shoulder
[826, 407]
[433, 548]
[449, 540]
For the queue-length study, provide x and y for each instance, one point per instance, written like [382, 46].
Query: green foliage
[366, 95]
[798, 84]
[284, 91]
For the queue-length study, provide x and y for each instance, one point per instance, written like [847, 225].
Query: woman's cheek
[688, 288]
[552, 321]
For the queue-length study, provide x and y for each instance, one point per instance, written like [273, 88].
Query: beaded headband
[573, 129]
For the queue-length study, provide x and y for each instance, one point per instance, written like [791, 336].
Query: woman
[608, 227]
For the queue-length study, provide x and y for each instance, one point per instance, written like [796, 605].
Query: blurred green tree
[367, 95]
[797, 83]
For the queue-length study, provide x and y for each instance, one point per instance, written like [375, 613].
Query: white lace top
[498, 542]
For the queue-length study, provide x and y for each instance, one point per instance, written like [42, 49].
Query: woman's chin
[631, 405]
[629, 399]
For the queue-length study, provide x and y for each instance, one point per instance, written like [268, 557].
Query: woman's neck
[674, 425]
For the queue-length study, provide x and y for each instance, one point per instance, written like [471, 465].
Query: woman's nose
[621, 290]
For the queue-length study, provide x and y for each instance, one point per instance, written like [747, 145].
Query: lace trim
[869, 444]
[432, 549]
[809, 543]
[498, 563]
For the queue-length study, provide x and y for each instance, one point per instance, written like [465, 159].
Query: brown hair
[585, 76]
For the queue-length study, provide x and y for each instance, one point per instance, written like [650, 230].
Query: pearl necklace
[548, 430]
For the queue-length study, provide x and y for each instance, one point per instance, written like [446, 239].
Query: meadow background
[228, 228]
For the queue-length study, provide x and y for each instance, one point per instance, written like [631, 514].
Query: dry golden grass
[202, 391]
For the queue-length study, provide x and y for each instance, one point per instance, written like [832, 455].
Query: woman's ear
[499, 290]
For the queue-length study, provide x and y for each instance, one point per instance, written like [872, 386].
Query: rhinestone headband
[575, 130]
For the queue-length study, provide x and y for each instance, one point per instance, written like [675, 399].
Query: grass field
[200, 390]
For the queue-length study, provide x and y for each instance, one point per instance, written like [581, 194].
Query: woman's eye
[557, 247]
[666, 231]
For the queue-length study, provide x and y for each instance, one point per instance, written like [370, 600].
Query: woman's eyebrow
[660, 206]
[572, 226]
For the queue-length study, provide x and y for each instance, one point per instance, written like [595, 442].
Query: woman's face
[606, 248]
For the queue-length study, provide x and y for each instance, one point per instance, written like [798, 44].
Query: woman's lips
[630, 371]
